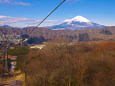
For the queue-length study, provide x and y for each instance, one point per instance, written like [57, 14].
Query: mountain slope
[7, 26]
[105, 33]
[76, 23]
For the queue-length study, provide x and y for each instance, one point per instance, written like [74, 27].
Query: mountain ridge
[105, 33]
[76, 23]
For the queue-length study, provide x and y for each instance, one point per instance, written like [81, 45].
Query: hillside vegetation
[106, 33]
[80, 64]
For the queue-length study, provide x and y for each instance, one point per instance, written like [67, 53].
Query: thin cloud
[3, 17]
[6, 20]
[14, 2]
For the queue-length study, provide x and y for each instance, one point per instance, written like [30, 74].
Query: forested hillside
[106, 33]
[81, 64]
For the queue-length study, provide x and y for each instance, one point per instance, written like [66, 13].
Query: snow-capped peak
[80, 18]
[77, 23]
[77, 18]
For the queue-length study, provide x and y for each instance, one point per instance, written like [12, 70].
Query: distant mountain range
[7, 26]
[105, 33]
[77, 23]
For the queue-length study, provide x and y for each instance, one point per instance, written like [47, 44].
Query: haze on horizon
[22, 13]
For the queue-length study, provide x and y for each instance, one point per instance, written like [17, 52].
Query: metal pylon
[5, 61]
[5, 41]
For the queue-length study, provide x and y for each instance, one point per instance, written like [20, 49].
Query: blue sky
[21, 13]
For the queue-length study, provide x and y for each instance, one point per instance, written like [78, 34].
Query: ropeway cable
[39, 23]
[46, 17]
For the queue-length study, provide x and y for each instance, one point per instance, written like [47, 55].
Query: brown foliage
[81, 64]
[1, 69]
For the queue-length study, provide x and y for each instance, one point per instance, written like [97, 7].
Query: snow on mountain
[78, 18]
[76, 23]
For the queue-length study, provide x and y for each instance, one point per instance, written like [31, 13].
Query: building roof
[10, 56]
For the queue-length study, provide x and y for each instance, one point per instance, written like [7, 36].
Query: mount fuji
[76, 23]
